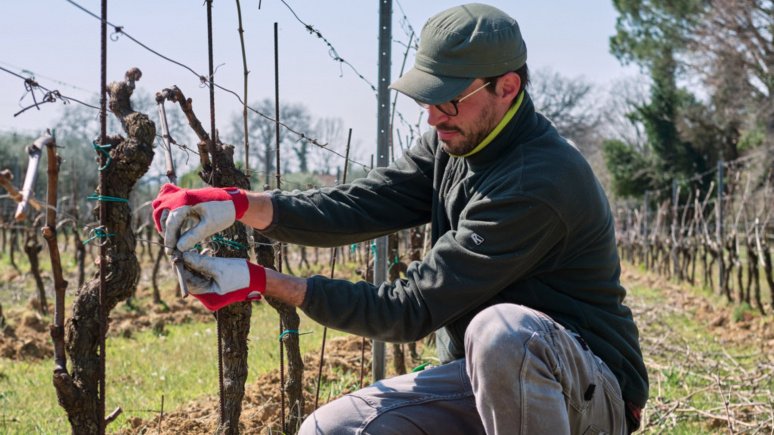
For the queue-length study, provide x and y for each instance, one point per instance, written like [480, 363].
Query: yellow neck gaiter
[496, 131]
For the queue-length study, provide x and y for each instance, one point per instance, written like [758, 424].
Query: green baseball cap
[459, 45]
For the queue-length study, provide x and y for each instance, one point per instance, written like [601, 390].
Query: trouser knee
[498, 328]
[328, 419]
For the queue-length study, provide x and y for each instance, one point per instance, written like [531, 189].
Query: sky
[59, 44]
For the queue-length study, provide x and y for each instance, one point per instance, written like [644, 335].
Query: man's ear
[509, 85]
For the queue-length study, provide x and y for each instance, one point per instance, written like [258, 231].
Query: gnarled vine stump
[130, 158]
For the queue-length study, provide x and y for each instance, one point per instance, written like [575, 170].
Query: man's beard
[468, 140]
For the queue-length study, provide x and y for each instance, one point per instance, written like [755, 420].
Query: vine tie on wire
[98, 233]
[292, 331]
[105, 198]
[233, 244]
[102, 149]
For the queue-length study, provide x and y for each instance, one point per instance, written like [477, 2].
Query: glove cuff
[257, 277]
[239, 198]
[253, 292]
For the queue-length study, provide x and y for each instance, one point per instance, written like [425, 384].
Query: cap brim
[428, 88]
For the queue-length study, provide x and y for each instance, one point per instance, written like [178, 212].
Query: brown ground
[28, 339]
[718, 319]
[26, 336]
[261, 411]
[260, 408]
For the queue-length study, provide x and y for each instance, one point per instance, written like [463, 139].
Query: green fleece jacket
[522, 221]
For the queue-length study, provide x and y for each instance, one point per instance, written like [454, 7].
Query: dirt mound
[29, 339]
[261, 405]
[33, 321]
[123, 323]
[722, 321]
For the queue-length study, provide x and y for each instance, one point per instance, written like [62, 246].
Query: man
[521, 285]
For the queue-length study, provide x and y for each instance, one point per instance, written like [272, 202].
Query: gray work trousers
[522, 373]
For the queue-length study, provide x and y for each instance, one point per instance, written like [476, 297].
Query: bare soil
[720, 321]
[25, 336]
[261, 411]
[261, 406]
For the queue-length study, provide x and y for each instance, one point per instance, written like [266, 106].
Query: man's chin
[456, 149]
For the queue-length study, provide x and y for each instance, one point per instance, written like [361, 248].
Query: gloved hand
[218, 282]
[213, 209]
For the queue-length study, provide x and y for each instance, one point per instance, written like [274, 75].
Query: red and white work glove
[213, 209]
[218, 282]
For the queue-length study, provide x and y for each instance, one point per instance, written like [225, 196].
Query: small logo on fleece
[477, 239]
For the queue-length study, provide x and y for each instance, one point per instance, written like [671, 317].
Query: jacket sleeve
[388, 199]
[496, 244]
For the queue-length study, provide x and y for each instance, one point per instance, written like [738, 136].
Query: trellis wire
[334, 54]
[725, 164]
[407, 28]
[51, 79]
[203, 79]
[32, 84]
[49, 97]
[722, 242]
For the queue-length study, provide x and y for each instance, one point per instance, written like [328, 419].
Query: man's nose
[435, 116]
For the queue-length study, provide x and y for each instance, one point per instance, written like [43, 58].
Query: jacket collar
[514, 131]
[509, 114]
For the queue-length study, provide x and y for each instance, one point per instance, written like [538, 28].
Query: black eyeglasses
[450, 108]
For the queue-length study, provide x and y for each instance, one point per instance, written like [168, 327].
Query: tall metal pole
[102, 222]
[719, 227]
[278, 178]
[382, 154]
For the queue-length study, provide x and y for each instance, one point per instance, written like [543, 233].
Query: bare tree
[733, 50]
[262, 134]
[330, 131]
[568, 103]
[623, 96]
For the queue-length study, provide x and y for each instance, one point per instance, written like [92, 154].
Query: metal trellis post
[719, 226]
[382, 154]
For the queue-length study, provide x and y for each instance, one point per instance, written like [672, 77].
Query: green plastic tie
[105, 198]
[99, 233]
[102, 149]
[420, 367]
[291, 331]
[230, 243]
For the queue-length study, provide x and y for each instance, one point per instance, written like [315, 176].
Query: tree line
[711, 70]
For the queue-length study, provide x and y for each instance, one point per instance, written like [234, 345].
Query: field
[710, 364]
[681, 138]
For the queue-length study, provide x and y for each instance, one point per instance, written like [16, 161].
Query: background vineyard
[685, 151]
